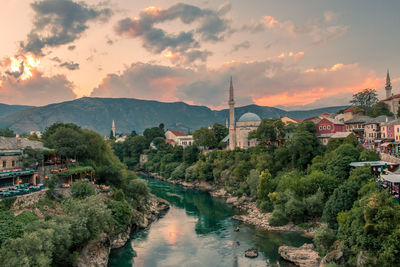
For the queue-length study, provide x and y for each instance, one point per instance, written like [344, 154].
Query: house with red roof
[175, 137]
[329, 125]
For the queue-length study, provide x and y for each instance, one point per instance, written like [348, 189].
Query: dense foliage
[297, 179]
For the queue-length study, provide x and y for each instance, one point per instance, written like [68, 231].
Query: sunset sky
[298, 54]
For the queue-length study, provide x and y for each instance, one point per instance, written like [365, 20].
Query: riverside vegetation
[55, 229]
[293, 176]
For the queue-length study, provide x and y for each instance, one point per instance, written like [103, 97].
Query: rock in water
[304, 256]
[237, 229]
[251, 253]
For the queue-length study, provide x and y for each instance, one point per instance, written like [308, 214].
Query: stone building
[11, 169]
[175, 137]
[239, 131]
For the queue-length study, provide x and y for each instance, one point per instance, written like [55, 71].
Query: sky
[291, 54]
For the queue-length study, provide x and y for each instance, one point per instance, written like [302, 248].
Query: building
[239, 131]
[113, 128]
[175, 137]
[352, 112]
[372, 131]
[328, 125]
[356, 125]
[393, 101]
[11, 169]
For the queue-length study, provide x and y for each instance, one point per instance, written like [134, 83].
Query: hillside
[133, 114]
[6, 110]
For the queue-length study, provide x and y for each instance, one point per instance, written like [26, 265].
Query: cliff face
[96, 252]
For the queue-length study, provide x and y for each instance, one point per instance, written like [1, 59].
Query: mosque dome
[249, 117]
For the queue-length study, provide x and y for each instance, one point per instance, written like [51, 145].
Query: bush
[119, 195]
[179, 172]
[294, 209]
[369, 155]
[315, 204]
[137, 191]
[82, 189]
[265, 185]
[324, 238]
[121, 213]
[265, 205]
[6, 203]
[278, 217]
[190, 174]
[252, 181]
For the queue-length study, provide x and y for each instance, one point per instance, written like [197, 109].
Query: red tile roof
[169, 141]
[325, 114]
[391, 97]
[177, 133]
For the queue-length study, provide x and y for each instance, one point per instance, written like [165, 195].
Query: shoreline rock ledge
[304, 256]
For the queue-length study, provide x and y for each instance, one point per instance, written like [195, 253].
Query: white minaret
[388, 87]
[113, 128]
[232, 124]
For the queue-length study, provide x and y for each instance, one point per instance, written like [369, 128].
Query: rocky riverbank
[252, 215]
[96, 253]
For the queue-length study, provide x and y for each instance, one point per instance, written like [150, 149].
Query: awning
[378, 141]
[386, 144]
[393, 178]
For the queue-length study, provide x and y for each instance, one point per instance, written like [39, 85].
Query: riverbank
[97, 252]
[252, 216]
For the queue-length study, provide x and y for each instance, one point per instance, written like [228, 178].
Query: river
[198, 231]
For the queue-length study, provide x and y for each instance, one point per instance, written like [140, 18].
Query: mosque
[239, 131]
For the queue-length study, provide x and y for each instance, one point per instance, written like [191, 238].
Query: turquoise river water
[198, 231]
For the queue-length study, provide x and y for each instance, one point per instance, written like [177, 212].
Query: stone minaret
[232, 124]
[113, 128]
[388, 87]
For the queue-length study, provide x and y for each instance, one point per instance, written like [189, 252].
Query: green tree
[379, 109]
[137, 191]
[190, 154]
[369, 155]
[220, 131]
[82, 189]
[151, 133]
[304, 145]
[269, 131]
[7, 132]
[365, 99]
[253, 181]
[205, 137]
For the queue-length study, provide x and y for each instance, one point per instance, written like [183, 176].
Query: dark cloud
[59, 22]
[38, 90]
[70, 65]
[210, 26]
[56, 59]
[71, 47]
[145, 81]
[242, 45]
[17, 74]
[187, 58]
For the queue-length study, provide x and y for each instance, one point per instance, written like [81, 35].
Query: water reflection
[198, 231]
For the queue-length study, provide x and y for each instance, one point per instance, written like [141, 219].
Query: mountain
[6, 110]
[134, 114]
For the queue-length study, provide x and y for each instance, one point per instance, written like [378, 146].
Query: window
[13, 163]
[4, 163]
[324, 127]
[320, 127]
[328, 127]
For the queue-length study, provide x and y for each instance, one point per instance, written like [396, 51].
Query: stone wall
[389, 158]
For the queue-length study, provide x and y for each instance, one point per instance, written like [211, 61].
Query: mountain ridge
[97, 113]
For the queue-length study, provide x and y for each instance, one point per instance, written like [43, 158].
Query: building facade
[329, 125]
[175, 137]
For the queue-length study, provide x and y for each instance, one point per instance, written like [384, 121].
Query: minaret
[113, 128]
[388, 86]
[232, 124]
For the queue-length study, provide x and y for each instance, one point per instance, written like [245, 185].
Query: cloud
[70, 65]
[38, 90]
[59, 22]
[270, 82]
[207, 25]
[71, 47]
[189, 57]
[318, 29]
[144, 81]
[242, 45]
